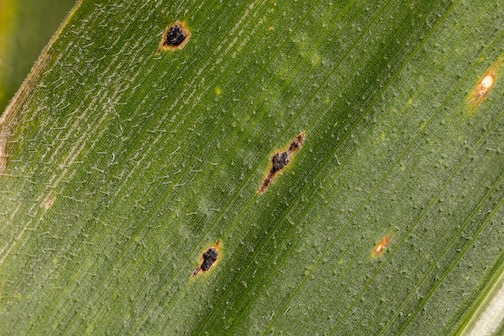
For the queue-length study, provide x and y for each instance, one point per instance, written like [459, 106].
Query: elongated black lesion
[210, 257]
[280, 160]
[175, 37]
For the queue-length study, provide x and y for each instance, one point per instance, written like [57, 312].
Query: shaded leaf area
[126, 165]
[25, 28]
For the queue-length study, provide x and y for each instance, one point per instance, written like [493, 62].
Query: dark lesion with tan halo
[280, 160]
[175, 37]
[209, 259]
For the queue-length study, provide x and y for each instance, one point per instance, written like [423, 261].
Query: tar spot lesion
[175, 37]
[209, 259]
[280, 160]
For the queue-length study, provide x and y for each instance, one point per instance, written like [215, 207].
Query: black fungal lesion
[280, 160]
[209, 257]
[175, 37]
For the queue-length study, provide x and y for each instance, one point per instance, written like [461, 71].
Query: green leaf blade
[125, 165]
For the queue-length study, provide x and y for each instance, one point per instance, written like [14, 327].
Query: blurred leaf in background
[25, 28]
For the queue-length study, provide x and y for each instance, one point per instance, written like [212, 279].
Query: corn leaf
[122, 162]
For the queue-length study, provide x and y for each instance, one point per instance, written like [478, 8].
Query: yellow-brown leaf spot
[175, 37]
[380, 248]
[280, 160]
[209, 258]
[484, 85]
[49, 201]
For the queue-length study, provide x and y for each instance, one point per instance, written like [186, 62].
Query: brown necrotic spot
[210, 257]
[280, 160]
[175, 37]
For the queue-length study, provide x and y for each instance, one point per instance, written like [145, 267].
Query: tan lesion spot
[380, 248]
[49, 202]
[175, 37]
[484, 86]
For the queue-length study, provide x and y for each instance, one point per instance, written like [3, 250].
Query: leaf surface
[125, 164]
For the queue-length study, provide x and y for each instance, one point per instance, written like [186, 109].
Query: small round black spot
[175, 36]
